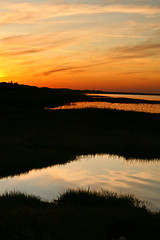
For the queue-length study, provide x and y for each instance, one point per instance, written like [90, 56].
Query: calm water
[140, 107]
[150, 108]
[95, 172]
[135, 96]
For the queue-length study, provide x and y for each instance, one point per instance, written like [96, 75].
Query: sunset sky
[110, 45]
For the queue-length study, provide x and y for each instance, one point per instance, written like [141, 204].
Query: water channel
[107, 172]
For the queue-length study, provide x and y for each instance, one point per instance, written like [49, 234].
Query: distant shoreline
[83, 91]
[126, 93]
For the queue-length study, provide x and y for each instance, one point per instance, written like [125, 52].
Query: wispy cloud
[122, 36]
[35, 43]
[57, 70]
[143, 50]
[27, 12]
[89, 43]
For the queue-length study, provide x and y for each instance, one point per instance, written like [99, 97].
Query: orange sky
[107, 45]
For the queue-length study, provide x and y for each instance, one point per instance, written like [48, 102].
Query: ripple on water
[138, 107]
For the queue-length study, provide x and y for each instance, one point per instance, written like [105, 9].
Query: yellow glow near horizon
[100, 45]
[2, 75]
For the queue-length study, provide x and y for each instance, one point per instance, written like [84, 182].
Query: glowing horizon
[105, 45]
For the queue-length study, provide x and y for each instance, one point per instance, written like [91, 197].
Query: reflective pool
[134, 96]
[149, 108]
[98, 172]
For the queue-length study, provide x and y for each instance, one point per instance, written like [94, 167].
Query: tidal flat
[94, 172]
[38, 138]
[34, 137]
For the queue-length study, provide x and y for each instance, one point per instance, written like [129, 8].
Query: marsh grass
[32, 137]
[16, 199]
[84, 198]
[36, 139]
[77, 214]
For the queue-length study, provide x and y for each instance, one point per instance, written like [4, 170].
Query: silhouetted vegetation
[22, 96]
[35, 137]
[77, 215]
[88, 198]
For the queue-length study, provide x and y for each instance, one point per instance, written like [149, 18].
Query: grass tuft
[78, 214]
[83, 197]
[16, 199]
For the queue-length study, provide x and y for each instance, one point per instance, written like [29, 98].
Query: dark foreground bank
[80, 215]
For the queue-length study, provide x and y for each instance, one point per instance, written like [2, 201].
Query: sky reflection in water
[133, 96]
[96, 172]
[137, 107]
[149, 108]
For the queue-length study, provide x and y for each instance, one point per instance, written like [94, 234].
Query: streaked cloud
[99, 44]
[143, 50]
[28, 12]
[57, 70]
